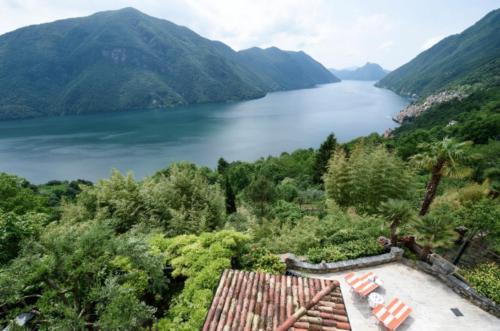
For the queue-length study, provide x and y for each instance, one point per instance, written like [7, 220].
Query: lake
[89, 146]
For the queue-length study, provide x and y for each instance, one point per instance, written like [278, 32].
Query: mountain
[470, 57]
[284, 70]
[370, 71]
[126, 60]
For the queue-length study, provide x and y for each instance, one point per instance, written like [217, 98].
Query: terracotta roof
[251, 301]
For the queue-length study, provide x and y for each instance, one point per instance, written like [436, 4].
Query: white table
[375, 299]
[376, 280]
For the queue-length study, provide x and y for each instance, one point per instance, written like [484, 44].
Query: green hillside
[284, 70]
[141, 62]
[470, 57]
[370, 71]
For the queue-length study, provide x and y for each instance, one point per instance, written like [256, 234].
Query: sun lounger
[363, 285]
[351, 278]
[393, 315]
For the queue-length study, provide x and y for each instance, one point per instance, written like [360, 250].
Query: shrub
[287, 189]
[346, 251]
[310, 232]
[361, 248]
[287, 211]
[485, 278]
[344, 235]
[258, 258]
[180, 199]
[200, 260]
[328, 253]
[237, 221]
[295, 238]
[15, 229]
[18, 196]
[83, 275]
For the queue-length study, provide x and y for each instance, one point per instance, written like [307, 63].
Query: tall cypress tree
[323, 155]
[230, 197]
[222, 165]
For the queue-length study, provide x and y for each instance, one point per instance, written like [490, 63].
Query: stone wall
[293, 263]
[447, 272]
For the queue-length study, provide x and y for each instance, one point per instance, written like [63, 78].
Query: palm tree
[442, 158]
[433, 232]
[396, 213]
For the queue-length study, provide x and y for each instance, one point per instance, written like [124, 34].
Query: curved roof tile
[254, 301]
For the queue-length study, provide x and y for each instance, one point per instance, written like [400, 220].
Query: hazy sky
[337, 33]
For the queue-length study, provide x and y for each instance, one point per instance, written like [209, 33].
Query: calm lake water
[90, 146]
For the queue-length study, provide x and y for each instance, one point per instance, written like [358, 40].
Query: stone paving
[430, 299]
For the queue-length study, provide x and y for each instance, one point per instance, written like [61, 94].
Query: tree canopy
[366, 177]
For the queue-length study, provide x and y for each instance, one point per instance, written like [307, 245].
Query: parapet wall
[293, 263]
[447, 273]
[438, 267]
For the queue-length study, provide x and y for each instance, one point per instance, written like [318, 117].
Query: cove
[89, 146]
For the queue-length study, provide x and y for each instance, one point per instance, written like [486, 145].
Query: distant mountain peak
[129, 9]
[369, 71]
[126, 11]
[109, 62]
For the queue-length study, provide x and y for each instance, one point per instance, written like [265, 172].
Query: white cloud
[337, 33]
[386, 45]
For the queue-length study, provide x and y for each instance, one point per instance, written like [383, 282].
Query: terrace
[430, 299]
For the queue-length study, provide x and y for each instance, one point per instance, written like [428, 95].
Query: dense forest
[142, 62]
[468, 58]
[123, 253]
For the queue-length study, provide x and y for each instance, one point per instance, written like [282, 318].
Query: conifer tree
[322, 157]
[230, 197]
[222, 165]
[260, 193]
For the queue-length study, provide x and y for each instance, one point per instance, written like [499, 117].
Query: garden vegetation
[124, 254]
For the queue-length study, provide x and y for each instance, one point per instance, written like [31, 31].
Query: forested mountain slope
[126, 60]
[281, 70]
[470, 57]
[370, 71]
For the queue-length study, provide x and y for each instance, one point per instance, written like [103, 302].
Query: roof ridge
[288, 323]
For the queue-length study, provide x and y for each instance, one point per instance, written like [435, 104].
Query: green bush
[82, 276]
[287, 189]
[310, 232]
[361, 248]
[237, 221]
[258, 258]
[344, 235]
[485, 278]
[346, 251]
[14, 229]
[327, 254]
[17, 195]
[287, 211]
[294, 238]
[199, 260]
[180, 199]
